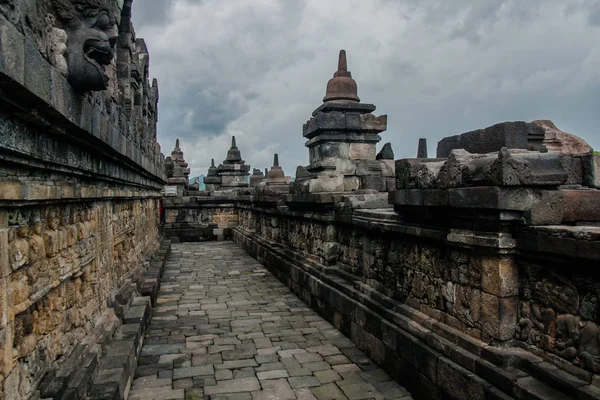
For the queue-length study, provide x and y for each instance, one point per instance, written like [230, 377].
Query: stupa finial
[342, 62]
[342, 87]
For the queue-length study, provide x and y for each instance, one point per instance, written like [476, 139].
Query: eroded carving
[91, 37]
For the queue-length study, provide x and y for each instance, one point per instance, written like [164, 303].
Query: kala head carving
[90, 27]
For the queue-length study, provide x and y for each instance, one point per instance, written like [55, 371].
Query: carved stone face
[90, 27]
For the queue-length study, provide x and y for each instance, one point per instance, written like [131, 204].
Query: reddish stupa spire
[342, 87]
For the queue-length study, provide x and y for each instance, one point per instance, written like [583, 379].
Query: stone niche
[81, 174]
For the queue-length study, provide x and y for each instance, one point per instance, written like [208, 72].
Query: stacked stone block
[233, 171]
[212, 180]
[342, 136]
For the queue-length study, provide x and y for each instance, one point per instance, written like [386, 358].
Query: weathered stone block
[499, 316]
[37, 73]
[499, 276]
[458, 382]
[345, 166]
[12, 52]
[362, 151]
[351, 183]
[547, 207]
[512, 135]
[388, 168]
[591, 170]
[426, 361]
[353, 121]
[334, 120]
[581, 205]
[374, 348]
[368, 168]
[414, 173]
[11, 191]
[373, 183]
[371, 123]
[87, 112]
[64, 99]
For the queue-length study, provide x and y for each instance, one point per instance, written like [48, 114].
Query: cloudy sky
[257, 69]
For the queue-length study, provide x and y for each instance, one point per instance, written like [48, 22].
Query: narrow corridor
[225, 328]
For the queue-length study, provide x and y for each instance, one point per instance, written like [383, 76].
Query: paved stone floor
[225, 328]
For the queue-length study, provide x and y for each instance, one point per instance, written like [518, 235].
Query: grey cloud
[258, 69]
[594, 16]
[152, 12]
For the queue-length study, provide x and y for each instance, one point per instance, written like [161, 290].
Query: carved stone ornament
[91, 38]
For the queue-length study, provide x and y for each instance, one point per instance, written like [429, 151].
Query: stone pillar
[499, 297]
[422, 150]
[388, 166]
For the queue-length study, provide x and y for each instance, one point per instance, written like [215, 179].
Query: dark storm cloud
[257, 69]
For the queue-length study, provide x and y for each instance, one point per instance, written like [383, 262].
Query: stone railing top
[547, 188]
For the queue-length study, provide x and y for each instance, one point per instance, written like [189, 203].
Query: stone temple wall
[80, 180]
[445, 312]
[474, 278]
[190, 219]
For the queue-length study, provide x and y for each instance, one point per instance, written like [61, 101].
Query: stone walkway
[225, 328]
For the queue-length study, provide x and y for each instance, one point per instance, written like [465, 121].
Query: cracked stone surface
[225, 328]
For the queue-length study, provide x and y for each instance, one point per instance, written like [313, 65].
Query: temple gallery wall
[81, 175]
[470, 275]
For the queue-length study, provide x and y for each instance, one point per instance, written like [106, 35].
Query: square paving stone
[327, 376]
[290, 352]
[328, 392]
[358, 391]
[194, 394]
[237, 364]
[325, 350]
[160, 349]
[316, 366]
[303, 381]
[189, 372]
[223, 374]
[186, 383]
[162, 393]
[206, 359]
[308, 357]
[231, 396]
[202, 381]
[346, 368]
[270, 366]
[337, 360]
[304, 394]
[150, 382]
[233, 386]
[273, 374]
